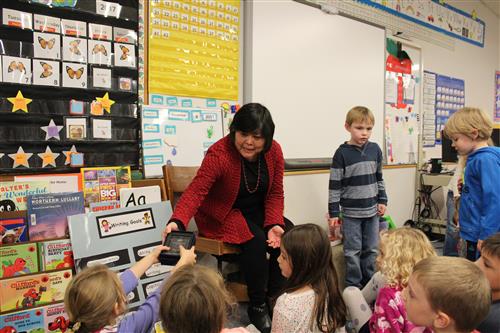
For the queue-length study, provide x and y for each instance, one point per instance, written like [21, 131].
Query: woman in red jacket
[237, 197]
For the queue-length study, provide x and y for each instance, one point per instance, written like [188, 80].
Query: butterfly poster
[124, 55]
[46, 46]
[46, 72]
[99, 52]
[74, 75]
[16, 70]
[74, 49]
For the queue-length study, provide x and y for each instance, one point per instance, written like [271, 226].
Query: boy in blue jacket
[479, 215]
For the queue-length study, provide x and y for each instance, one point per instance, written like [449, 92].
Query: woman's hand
[172, 226]
[274, 236]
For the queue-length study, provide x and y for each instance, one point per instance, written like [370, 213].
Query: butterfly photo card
[124, 55]
[46, 72]
[74, 49]
[74, 75]
[16, 70]
[99, 52]
[46, 46]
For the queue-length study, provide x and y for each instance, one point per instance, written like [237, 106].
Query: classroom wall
[306, 195]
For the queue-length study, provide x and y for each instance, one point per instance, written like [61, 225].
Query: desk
[435, 180]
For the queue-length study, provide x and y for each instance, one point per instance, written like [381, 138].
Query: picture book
[33, 290]
[30, 321]
[47, 214]
[55, 254]
[104, 184]
[13, 195]
[55, 318]
[18, 259]
[13, 230]
[105, 205]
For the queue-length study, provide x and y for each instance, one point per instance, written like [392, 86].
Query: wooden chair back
[177, 179]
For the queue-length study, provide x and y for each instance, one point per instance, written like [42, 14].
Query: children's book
[56, 320]
[47, 214]
[13, 195]
[104, 184]
[18, 259]
[31, 321]
[55, 254]
[13, 230]
[33, 290]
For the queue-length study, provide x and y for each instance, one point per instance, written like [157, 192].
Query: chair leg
[219, 264]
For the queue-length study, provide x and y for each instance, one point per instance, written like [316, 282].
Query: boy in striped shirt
[357, 190]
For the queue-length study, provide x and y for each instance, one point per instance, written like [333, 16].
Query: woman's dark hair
[310, 256]
[251, 118]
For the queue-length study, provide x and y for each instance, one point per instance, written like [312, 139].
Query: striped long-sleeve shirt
[356, 182]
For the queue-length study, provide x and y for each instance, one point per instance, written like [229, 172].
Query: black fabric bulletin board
[23, 129]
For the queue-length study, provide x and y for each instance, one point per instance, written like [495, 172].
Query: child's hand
[142, 265]
[381, 209]
[188, 257]
[333, 221]
[156, 252]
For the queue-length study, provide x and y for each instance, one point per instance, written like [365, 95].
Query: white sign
[106, 8]
[139, 196]
[118, 224]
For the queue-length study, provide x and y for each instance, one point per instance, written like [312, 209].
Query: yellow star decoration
[105, 102]
[48, 158]
[19, 102]
[20, 158]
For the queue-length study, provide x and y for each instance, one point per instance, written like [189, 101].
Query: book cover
[18, 259]
[47, 214]
[13, 195]
[31, 321]
[104, 184]
[33, 290]
[55, 254]
[55, 318]
[13, 230]
[105, 205]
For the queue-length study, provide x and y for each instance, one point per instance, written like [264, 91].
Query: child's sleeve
[143, 319]
[382, 196]
[387, 317]
[490, 210]
[335, 184]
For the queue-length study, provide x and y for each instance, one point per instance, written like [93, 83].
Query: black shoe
[259, 317]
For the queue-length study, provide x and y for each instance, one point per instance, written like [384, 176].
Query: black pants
[471, 253]
[259, 272]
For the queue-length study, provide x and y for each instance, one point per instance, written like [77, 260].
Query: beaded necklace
[245, 177]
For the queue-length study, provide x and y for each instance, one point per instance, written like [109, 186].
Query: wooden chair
[177, 179]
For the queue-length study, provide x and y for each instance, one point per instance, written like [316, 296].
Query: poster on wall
[497, 98]
[450, 96]
[401, 123]
[436, 15]
[179, 61]
[118, 239]
[429, 110]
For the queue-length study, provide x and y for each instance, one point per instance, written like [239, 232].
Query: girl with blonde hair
[96, 298]
[400, 250]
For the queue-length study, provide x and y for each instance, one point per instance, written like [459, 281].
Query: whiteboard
[177, 136]
[309, 68]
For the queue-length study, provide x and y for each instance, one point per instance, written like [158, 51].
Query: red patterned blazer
[213, 191]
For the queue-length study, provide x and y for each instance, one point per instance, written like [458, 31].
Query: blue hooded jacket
[479, 214]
